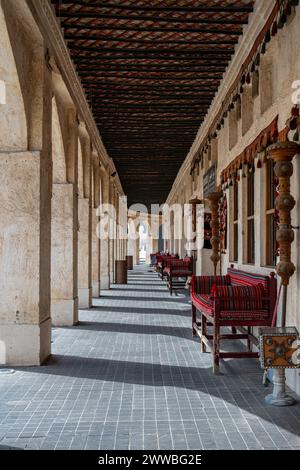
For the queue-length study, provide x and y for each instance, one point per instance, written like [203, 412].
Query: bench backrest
[203, 284]
[181, 264]
[242, 278]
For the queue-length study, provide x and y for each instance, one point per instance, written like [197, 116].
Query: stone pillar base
[112, 278]
[96, 289]
[104, 282]
[85, 297]
[25, 345]
[64, 312]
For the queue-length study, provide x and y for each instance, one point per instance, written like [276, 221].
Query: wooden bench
[239, 300]
[177, 272]
[163, 261]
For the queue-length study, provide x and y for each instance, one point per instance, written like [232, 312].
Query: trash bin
[121, 272]
[129, 262]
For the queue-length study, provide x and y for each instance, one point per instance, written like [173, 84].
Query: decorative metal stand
[277, 349]
[214, 199]
[283, 153]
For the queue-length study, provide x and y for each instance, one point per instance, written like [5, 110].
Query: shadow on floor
[150, 310]
[4, 447]
[238, 389]
[175, 298]
[180, 332]
[130, 288]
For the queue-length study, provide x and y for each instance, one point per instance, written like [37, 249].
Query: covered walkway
[130, 376]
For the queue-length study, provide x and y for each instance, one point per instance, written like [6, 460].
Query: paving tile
[130, 376]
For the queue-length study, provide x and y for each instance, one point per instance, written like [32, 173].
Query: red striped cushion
[241, 278]
[181, 265]
[240, 298]
[203, 303]
[182, 273]
[203, 284]
[245, 315]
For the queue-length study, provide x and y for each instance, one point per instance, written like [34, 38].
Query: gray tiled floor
[130, 376]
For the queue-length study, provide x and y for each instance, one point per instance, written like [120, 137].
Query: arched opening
[144, 241]
[13, 121]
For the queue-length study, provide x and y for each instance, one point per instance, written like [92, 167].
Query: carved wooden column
[213, 199]
[282, 154]
[194, 203]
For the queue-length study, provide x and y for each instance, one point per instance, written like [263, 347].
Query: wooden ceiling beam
[174, 8]
[79, 58]
[214, 78]
[135, 51]
[108, 38]
[157, 19]
[129, 27]
[121, 96]
[152, 87]
[162, 69]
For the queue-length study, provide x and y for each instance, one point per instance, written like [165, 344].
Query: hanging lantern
[263, 48]
[288, 8]
[257, 60]
[282, 20]
[274, 28]
[267, 36]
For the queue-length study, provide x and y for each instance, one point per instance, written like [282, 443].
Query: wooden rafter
[150, 71]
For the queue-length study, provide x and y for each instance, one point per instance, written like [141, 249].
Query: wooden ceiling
[150, 70]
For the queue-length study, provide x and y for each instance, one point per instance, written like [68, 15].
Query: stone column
[112, 232]
[85, 225]
[136, 259]
[116, 255]
[25, 325]
[25, 212]
[131, 242]
[104, 240]
[96, 247]
[64, 243]
[96, 255]
[64, 299]
[84, 253]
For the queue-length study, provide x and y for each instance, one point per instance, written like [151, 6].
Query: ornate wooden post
[194, 203]
[214, 199]
[282, 154]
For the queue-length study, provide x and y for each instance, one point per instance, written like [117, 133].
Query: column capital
[283, 151]
[215, 196]
[213, 199]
